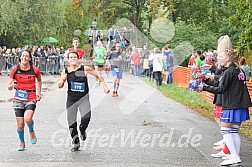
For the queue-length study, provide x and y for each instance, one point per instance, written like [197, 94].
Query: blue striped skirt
[235, 115]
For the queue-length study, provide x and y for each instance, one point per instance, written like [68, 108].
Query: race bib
[98, 56]
[116, 69]
[21, 95]
[77, 87]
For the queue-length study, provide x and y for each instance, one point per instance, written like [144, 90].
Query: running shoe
[225, 158]
[76, 148]
[113, 94]
[233, 161]
[21, 146]
[33, 138]
[219, 155]
[83, 136]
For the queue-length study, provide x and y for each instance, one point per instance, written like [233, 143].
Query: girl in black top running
[78, 96]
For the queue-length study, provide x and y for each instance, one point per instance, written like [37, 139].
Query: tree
[29, 21]
[242, 21]
[106, 11]
[136, 7]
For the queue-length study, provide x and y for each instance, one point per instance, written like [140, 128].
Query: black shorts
[20, 107]
[100, 65]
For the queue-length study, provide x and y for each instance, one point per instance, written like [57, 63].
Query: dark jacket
[233, 88]
[218, 73]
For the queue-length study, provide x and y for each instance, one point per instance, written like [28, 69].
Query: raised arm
[63, 79]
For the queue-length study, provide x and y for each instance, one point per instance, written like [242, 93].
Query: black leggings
[85, 110]
[158, 77]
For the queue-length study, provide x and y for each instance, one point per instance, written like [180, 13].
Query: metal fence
[46, 65]
[2, 63]
[6, 63]
[49, 65]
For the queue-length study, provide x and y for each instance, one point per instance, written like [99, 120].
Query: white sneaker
[231, 162]
[219, 155]
[227, 157]
[219, 142]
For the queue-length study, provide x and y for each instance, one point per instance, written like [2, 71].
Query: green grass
[196, 102]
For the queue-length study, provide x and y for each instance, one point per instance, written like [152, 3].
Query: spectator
[145, 58]
[170, 66]
[198, 60]
[157, 65]
[246, 69]
[166, 56]
[197, 79]
[192, 62]
[209, 65]
[136, 56]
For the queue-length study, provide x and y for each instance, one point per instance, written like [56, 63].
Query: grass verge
[196, 102]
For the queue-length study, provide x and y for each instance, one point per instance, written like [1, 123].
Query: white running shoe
[219, 155]
[227, 157]
[233, 161]
[219, 142]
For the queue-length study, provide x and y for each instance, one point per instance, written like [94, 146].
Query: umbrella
[50, 40]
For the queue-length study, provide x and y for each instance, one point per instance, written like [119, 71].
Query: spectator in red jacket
[135, 57]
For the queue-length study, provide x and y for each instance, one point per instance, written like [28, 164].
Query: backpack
[169, 60]
[31, 71]
[165, 64]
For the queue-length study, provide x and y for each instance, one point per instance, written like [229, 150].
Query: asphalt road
[141, 127]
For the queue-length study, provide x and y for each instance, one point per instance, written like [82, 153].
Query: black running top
[77, 84]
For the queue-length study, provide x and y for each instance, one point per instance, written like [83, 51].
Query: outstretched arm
[224, 83]
[93, 72]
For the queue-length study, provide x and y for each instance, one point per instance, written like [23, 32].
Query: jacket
[157, 62]
[232, 86]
